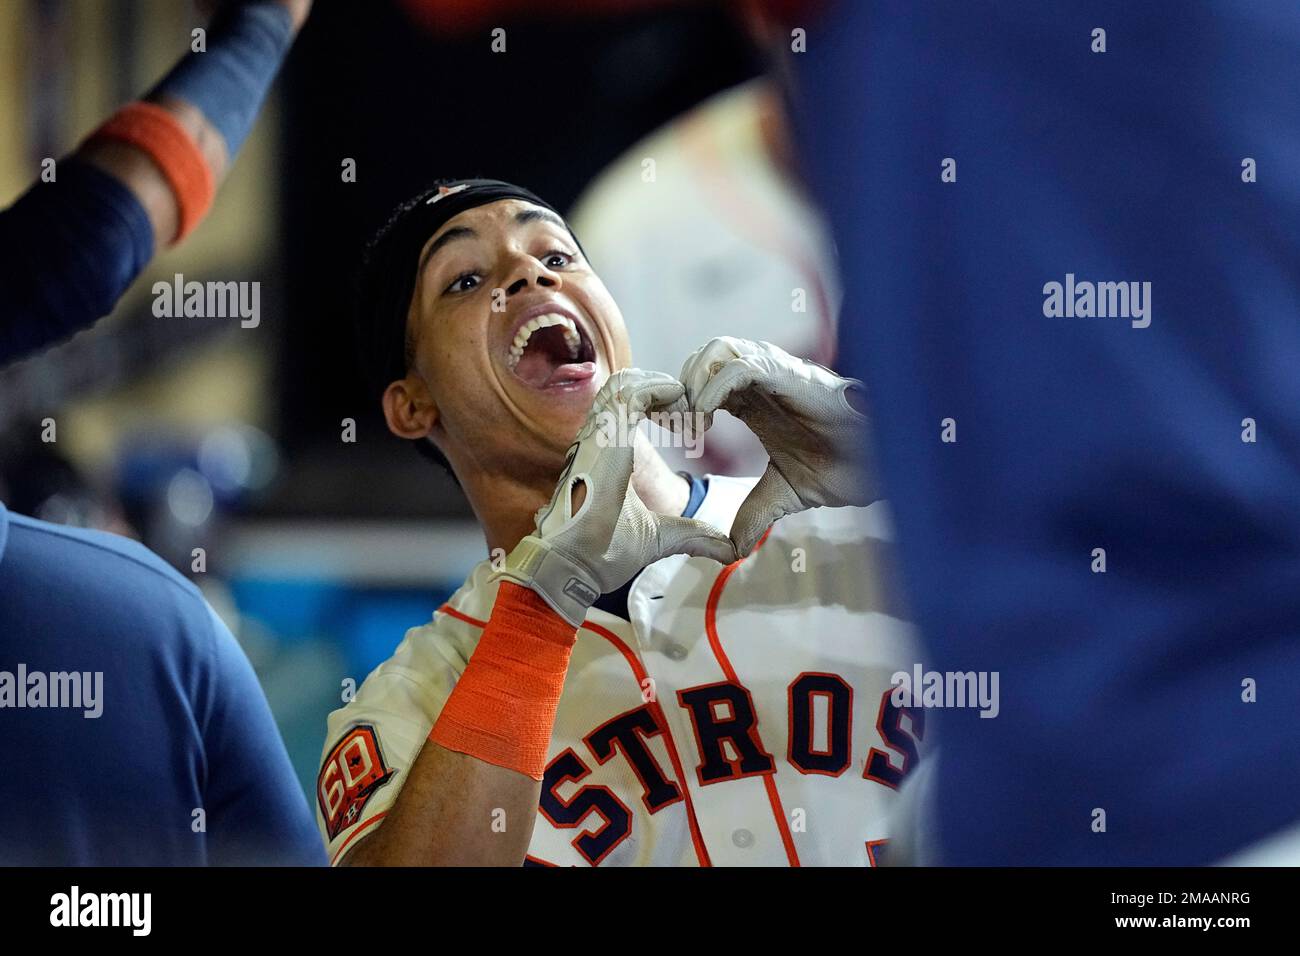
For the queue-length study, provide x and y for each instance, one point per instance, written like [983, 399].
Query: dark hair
[386, 282]
[374, 350]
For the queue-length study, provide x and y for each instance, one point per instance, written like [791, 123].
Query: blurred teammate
[143, 179]
[611, 688]
[138, 727]
[1098, 501]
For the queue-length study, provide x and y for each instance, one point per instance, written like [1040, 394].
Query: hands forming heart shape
[804, 415]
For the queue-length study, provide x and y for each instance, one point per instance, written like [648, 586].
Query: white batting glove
[800, 411]
[574, 557]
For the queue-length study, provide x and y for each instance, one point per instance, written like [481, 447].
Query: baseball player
[180, 763]
[611, 685]
[1130, 438]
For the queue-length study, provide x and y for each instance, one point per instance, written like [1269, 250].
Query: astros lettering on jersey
[741, 717]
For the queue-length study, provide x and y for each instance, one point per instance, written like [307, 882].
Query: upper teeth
[526, 331]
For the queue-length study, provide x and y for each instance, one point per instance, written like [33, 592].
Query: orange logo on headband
[446, 191]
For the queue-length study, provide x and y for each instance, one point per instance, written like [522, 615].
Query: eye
[463, 283]
[557, 259]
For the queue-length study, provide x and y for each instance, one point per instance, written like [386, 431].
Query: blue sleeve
[71, 248]
[1079, 436]
[256, 810]
[228, 81]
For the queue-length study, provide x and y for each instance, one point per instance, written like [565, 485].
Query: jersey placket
[667, 610]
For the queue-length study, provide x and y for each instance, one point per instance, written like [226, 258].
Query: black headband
[389, 275]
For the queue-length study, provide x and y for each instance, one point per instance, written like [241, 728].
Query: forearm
[80, 239]
[471, 795]
[214, 95]
[136, 170]
[454, 810]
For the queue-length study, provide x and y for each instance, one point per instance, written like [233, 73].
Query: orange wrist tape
[503, 707]
[155, 131]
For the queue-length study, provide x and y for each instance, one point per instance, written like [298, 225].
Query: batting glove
[574, 557]
[800, 411]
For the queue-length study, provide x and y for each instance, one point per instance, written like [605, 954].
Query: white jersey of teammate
[736, 248]
[741, 717]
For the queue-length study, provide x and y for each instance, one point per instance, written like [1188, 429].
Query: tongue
[548, 360]
[542, 372]
[571, 372]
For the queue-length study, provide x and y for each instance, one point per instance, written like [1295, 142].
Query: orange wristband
[502, 709]
[155, 131]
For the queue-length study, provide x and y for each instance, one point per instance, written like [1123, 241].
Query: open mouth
[552, 351]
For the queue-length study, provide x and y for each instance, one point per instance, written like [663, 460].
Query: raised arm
[145, 176]
[487, 750]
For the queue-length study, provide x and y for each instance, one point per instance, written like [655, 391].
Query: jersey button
[742, 838]
[675, 652]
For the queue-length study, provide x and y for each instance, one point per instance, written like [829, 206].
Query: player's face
[513, 333]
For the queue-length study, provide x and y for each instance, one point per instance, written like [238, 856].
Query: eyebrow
[451, 235]
[540, 215]
[464, 232]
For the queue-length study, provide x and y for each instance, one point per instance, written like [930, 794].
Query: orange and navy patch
[349, 777]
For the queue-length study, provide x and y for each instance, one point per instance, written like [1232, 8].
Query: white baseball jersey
[742, 716]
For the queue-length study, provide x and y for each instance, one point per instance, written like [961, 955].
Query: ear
[409, 408]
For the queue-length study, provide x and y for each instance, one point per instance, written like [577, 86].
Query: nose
[530, 271]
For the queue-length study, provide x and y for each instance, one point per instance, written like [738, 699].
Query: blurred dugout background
[196, 433]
